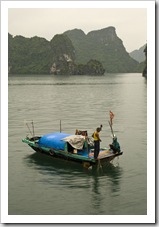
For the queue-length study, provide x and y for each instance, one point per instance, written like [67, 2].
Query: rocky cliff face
[105, 46]
[63, 55]
[72, 52]
[104, 36]
[39, 56]
[138, 55]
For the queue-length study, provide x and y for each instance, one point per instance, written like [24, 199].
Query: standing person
[97, 141]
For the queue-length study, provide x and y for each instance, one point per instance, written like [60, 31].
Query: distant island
[71, 53]
[144, 73]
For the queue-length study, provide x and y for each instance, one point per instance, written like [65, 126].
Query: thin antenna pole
[111, 128]
[33, 127]
[29, 129]
[60, 126]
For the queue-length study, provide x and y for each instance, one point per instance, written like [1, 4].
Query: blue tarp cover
[53, 140]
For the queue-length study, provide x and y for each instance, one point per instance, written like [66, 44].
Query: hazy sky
[130, 24]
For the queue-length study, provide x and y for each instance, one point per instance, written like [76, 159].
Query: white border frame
[150, 217]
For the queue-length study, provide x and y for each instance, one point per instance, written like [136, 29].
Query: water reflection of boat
[44, 163]
[76, 148]
[95, 186]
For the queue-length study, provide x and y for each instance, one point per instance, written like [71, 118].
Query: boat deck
[102, 154]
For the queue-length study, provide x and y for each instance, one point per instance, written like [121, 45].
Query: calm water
[38, 185]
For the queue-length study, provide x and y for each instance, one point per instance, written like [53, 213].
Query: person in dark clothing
[97, 141]
[115, 146]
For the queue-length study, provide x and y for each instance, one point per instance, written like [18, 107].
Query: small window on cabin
[69, 148]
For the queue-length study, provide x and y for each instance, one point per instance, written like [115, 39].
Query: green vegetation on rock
[28, 55]
[93, 67]
[104, 46]
[72, 52]
[39, 56]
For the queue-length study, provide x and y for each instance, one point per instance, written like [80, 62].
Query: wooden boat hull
[105, 155]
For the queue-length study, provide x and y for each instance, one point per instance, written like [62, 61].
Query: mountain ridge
[138, 54]
[107, 48]
[72, 52]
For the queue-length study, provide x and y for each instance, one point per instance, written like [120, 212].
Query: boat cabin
[76, 144]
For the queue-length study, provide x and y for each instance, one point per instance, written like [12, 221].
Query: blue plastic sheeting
[53, 140]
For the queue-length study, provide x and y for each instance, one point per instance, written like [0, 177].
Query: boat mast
[60, 126]
[33, 128]
[111, 128]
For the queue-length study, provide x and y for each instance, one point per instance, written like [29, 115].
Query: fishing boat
[76, 147]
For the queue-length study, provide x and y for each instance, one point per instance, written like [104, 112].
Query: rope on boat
[32, 132]
[29, 129]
